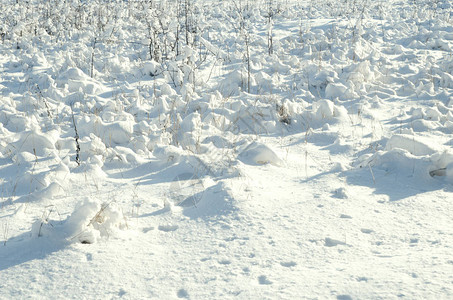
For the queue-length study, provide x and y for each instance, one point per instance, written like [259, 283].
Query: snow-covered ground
[240, 150]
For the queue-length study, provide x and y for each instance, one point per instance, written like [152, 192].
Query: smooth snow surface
[246, 149]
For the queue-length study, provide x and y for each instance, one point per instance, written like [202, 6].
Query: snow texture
[226, 149]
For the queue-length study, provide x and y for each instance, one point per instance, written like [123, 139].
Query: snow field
[209, 164]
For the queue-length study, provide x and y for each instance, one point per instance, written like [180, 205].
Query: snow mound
[111, 133]
[75, 80]
[33, 142]
[90, 222]
[326, 109]
[410, 156]
[151, 68]
[324, 112]
[414, 145]
[259, 154]
[335, 90]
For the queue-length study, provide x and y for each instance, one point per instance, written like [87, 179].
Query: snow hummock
[259, 154]
[89, 222]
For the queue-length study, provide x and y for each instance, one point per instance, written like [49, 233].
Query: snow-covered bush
[89, 222]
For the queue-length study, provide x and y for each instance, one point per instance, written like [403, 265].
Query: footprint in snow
[362, 279]
[288, 264]
[224, 262]
[182, 293]
[121, 293]
[147, 229]
[343, 216]
[328, 242]
[168, 228]
[263, 280]
[344, 297]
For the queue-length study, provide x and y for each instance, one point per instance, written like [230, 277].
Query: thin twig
[76, 137]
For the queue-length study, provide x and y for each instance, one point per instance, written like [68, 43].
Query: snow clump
[90, 222]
